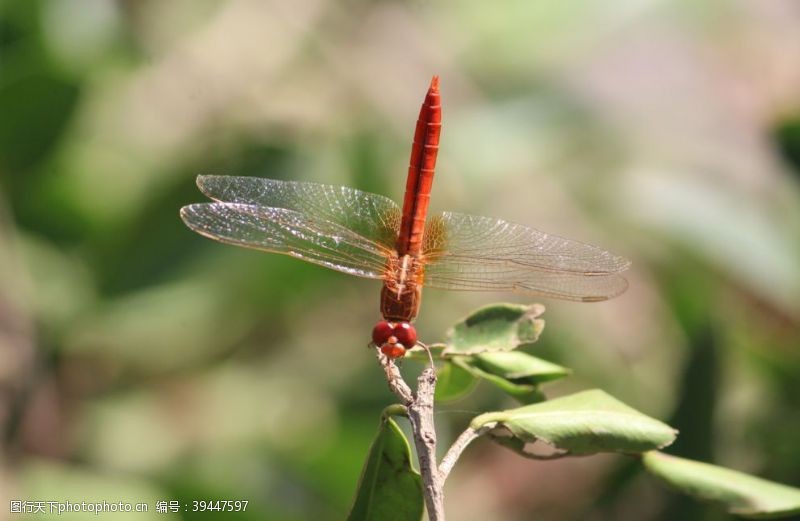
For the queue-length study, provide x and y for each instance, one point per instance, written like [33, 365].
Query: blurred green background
[141, 362]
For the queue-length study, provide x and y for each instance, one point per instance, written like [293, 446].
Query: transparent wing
[374, 217]
[466, 252]
[288, 232]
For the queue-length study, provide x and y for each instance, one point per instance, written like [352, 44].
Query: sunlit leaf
[389, 489]
[514, 372]
[519, 367]
[498, 327]
[454, 382]
[524, 392]
[740, 493]
[583, 423]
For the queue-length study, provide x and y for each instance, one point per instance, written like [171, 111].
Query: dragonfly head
[394, 338]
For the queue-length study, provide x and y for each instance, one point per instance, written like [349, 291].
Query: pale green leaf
[583, 423]
[740, 493]
[524, 392]
[498, 327]
[519, 367]
[389, 489]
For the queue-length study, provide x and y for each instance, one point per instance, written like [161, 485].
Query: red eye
[393, 350]
[406, 334]
[381, 332]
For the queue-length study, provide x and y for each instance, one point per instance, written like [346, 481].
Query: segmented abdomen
[420, 173]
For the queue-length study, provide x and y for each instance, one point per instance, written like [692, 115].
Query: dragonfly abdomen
[420, 172]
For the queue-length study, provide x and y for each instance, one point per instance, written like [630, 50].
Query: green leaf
[499, 327]
[454, 382]
[740, 493]
[389, 489]
[583, 423]
[519, 367]
[524, 392]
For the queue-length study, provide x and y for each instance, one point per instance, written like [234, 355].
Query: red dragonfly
[368, 235]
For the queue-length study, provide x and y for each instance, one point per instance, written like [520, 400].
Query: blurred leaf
[389, 489]
[61, 286]
[523, 392]
[519, 367]
[454, 382]
[583, 423]
[497, 327]
[740, 493]
[786, 136]
[131, 431]
[36, 109]
[148, 328]
[747, 240]
[42, 480]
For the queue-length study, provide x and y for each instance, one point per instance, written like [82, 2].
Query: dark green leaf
[499, 327]
[519, 367]
[36, 110]
[389, 489]
[740, 493]
[583, 423]
[786, 137]
[454, 382]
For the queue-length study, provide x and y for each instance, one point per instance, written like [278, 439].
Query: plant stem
[455, 450]
[395, 380]
[420, 416]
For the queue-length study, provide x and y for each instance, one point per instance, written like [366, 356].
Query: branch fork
[419, 406]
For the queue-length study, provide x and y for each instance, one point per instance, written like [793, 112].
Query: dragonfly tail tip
[435, 83]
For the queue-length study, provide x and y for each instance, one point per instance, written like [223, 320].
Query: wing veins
[287, 232]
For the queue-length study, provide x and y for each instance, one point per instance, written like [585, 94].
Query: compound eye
[381, 332]
[393, 350]
[406, 334]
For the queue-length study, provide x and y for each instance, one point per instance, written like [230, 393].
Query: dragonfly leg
[427, 350]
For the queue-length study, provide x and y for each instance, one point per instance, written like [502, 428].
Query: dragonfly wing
[288, 232]
[481, 253]
[372, 216]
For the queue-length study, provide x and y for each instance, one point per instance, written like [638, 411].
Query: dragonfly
[369, 235]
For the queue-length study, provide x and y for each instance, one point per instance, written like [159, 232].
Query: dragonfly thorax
[402, 288]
